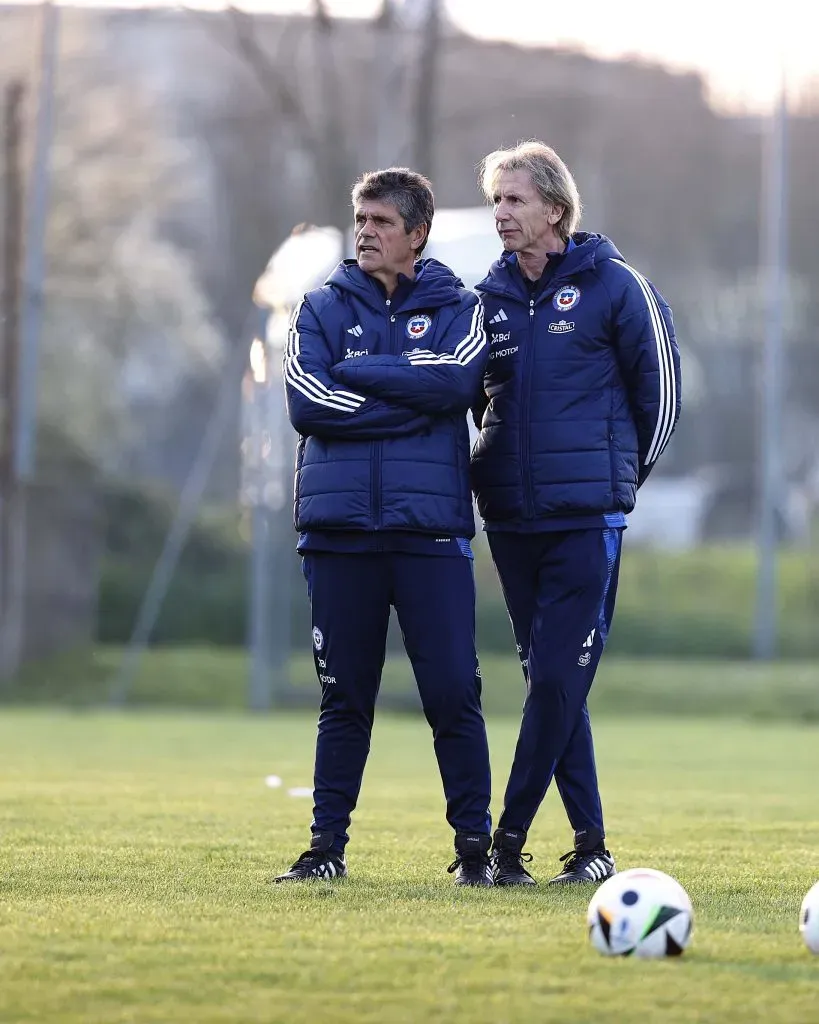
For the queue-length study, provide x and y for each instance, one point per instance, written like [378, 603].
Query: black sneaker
[471, 864]
[585, 867]
[508, 858]
[316, 863]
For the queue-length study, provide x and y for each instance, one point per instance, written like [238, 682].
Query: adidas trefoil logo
[356, 331]
[499, 317]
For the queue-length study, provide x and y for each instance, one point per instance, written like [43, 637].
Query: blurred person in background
[381, 367]
[581, 397]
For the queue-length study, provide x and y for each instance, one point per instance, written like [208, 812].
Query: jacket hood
[434, 285]
[589, 250]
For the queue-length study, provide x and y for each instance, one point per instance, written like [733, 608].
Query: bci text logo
[352, 353]
[498, 339]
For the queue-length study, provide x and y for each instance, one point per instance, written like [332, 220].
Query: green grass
[137, 850]
[217, 677]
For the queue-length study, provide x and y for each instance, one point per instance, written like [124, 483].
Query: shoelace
[510, 859]
[309, 859]
[471, 862]
[576, 859]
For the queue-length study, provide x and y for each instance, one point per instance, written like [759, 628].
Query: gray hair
[409, 192]
[550, 176]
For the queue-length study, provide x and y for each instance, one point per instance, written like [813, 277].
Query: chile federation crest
[417, 326]
[566, 298]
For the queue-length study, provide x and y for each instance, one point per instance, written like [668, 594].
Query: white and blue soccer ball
[809, 919]
[640, 912]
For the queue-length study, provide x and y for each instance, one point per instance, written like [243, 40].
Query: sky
[741, 53]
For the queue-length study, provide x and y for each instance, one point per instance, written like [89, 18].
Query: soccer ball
[809, 919]
[640, 912]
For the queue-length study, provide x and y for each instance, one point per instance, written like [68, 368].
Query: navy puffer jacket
[379, 390]
[582, 389]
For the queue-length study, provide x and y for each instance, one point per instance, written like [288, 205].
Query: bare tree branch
[326, 146]
[321, 15]
[336, 156]
[271, 80]
[426, 113]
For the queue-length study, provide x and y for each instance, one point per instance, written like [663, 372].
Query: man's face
[382, 245]
[524, 222]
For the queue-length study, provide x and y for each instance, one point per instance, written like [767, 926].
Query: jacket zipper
[525, 431]
[379, 445]
[297, 478]
[612, 466]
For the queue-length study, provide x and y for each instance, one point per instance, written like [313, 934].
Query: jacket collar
[434, 285]
[582, 253]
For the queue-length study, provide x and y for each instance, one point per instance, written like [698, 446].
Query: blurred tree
[295, 70]
[804, 247]
[308, 105]
[243, 126]
[125, 322]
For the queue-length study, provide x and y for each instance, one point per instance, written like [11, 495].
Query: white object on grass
[640, 912]
[809, 919]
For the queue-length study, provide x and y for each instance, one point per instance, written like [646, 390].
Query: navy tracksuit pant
[434, 598]
[560, 590]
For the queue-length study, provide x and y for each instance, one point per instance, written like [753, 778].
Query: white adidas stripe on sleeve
[668, 392]
[465, 350]
[308, 384]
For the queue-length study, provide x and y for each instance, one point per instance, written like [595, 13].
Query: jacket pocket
[297, 474]
[612, 462]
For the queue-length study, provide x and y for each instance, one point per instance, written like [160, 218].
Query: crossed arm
[376, 397]
[318, 403]
[433, 383]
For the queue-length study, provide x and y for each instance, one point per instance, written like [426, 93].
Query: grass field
[136, 852]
